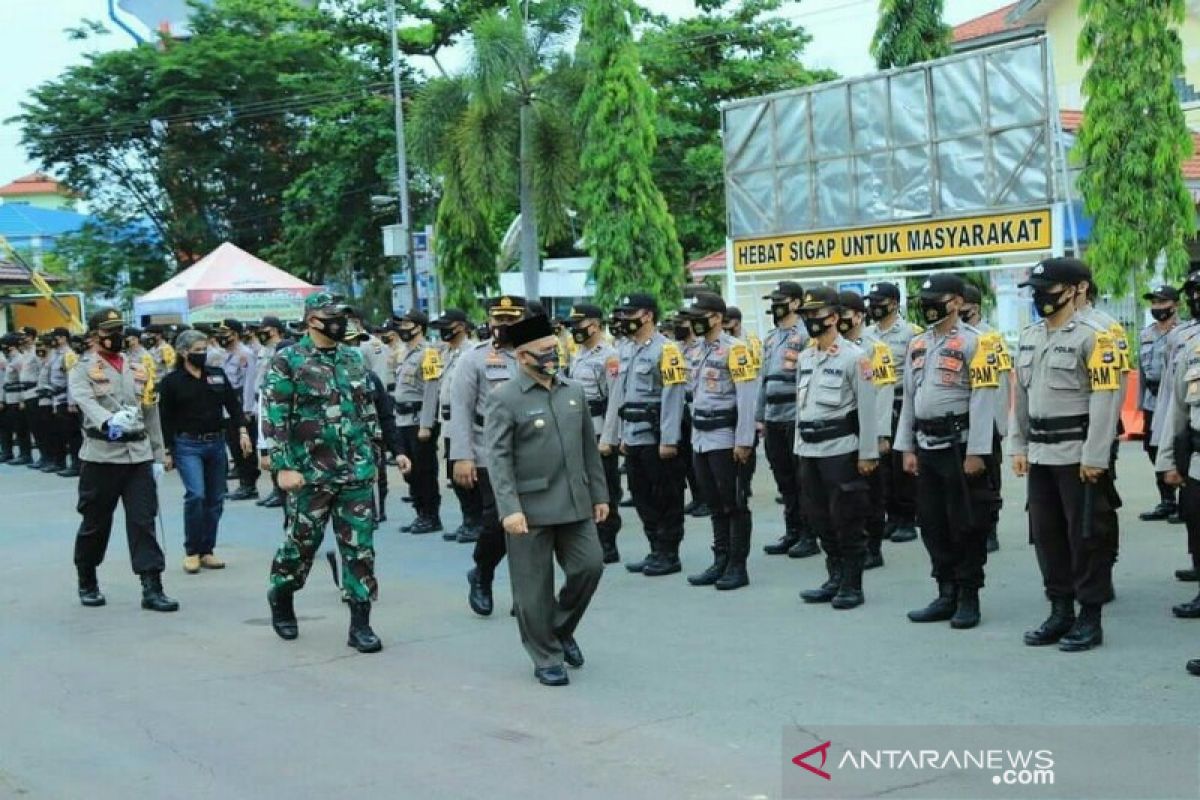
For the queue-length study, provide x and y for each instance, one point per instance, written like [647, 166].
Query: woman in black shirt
[192, 401]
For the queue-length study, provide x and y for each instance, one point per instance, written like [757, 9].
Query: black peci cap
[529, 329]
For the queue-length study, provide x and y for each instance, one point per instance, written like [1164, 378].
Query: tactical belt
[45, 393]
[826, 430]
[446, 413]
[781, 399]
[410, 408]
[640, 412]
[944, 427]
[60, 391]
[12, 387]
[598, 408]
[1052, 430]
[92, 433]
[781, 378]
[705, 420]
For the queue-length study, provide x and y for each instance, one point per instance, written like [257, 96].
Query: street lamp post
[402, 158]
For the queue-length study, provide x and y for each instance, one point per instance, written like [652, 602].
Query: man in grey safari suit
[550, 493]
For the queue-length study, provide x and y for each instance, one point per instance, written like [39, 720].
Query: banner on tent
[213, 305]
[967, 237]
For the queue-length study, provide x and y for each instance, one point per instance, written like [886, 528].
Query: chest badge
[541, 423]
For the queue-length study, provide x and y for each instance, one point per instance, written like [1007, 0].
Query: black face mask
[701, 326]
[631, 326]
[40, 352]
[682, 332]
[448, 334]
[334, 327]
[546, 363]
[1048, 302]
[149, 342]
[407, 334]
[780, 311]
[969, 315]
[1162, 314]
[263, 338]
[500, 334]
[878, 311]
[580, 335]
[816, 326]
[197, 360]
[845, 324]
[934, 311]
[113, 344]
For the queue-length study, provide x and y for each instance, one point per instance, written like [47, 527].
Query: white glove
[125, 419]
[158, 469]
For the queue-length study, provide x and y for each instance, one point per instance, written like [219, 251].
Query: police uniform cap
[637, 301]
[230, 326]
[732, 312]
[271, 322]
[1163, 292]
[1053, 271]
[60, 332]
[971, 294]
[785, 290]
[418, 318]
[584, 311]
[506, 305]
[852, 301]
[705, 303]
[883, 290]
[450, 316]
[529, 329]
[820, 297]
[942, 283]
[105, 318]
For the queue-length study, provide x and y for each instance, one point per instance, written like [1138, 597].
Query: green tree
[695, 64]
[908, 32]
[1134, 139]
[109, 258]
[628, 229]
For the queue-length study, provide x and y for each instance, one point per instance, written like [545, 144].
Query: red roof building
[37, 189]
[991, 26]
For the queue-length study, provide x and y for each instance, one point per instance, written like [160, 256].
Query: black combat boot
[451, 536]
[874, 559]
[361, 637]
[1189, 575]
[470, 534]
[638, 566]
[1193, 666]
[941, 609]
[663, 562]
[89, 588]
[22, 460]
[1061, 620]
[785, 543]
[283, 613]
[479, 597]
[805, 546]
[905, 531]
[1164, 510]
[735, 575]
[1086, 633]
[72, 468]
[426, 524]
[829, 589]
[967, 614]
[53, 464]
[608, 545]
[153, 598]
[850, 593]
[714, 572]
[1188, 610]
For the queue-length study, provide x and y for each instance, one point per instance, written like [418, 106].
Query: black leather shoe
[711, 575]
[781, 547]
[283, 614]
[470, 535]
[480, 595]
[638, 566]
[571, 652]
[1193, 666]
[904, 533]
[803, 548]
[273, 500]
[153, 598]
[425, 525]
[551, 676]
[244, 493]
[53, 466]
[361, 637]
[90, 596]
[450, 536]
[1160, 512]
[941, 609]
[849, 594]
[664, 564]
[1176, 519]
[1056, 626]
[1188, 610]
[1186, 575]
[827, 590]
[70, 471]
[967, 614]
[1085, 634]
[735, 577]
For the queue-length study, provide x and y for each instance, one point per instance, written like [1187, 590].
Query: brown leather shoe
[211, 562]
[191, 564]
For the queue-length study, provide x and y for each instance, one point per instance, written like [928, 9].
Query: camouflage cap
[324, 301]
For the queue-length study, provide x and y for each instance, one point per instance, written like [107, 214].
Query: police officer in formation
[1152, 343]
[239, 365]
[418, 381]
[898, 486]
[837, 442]
[1067, 401]
[883, 375]
[480, 371]
[776, 416]
[644, 422]
[679, 328]
[595, 366]
[454, 329]
[946, 433]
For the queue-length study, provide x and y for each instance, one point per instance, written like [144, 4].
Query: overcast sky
[35, 48]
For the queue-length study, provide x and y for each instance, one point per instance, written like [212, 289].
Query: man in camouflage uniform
[594, 366]
[899, 488]
[319, 416]
[453, 329]
[480, 370]
[418, 380]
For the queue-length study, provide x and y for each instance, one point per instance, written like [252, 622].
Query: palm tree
[512, 105]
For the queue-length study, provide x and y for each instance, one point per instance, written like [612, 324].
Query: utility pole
[402, 158]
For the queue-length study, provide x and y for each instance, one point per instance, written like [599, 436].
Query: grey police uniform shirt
[1053, 381]
[897, 337]
[693, 351]
[31, 370]
[480, 370]
[418, 380]
[947, 374]
[596, 369]
[831, 385]
[1152, 343]
[543, 459]
[12, 378]
[726, 384]
[451, 357]
[377, 356]
[100, 391]
[1178, 339]
[885, 391]
[640, 381]
[1182, 415]
[45, 394]
[58, 377]
[777, 381]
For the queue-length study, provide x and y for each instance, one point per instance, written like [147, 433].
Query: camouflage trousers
[309, 508]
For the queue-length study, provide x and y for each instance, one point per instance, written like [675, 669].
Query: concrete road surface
[685, 694]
